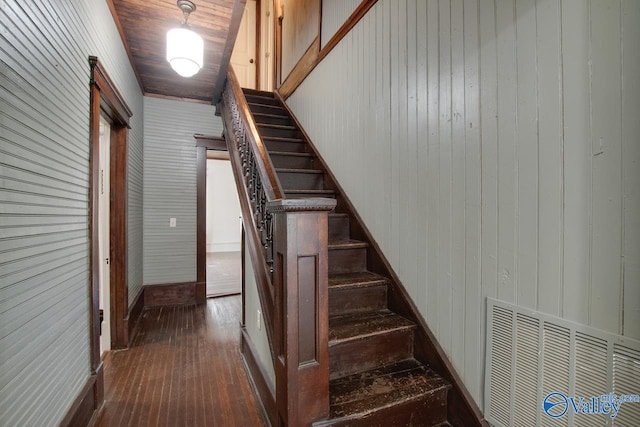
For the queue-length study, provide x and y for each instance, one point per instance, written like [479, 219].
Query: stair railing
[287, 240]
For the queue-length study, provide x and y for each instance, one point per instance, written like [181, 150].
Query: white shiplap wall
[334, 14]
[170, 186]
[502, 139]
[44, 176]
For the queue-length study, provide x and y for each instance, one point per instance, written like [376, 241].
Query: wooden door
[243, 57]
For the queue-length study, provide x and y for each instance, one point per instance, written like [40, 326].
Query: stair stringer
[462, 410]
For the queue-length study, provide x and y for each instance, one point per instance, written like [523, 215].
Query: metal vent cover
[531, 354]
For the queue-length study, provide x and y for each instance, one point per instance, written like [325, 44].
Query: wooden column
[301, 316]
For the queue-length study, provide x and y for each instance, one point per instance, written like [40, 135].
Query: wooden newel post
[301, 309]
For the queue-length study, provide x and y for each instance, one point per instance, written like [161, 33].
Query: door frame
[203, 143]
[106, 101]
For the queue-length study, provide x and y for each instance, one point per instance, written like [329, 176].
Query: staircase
[374, 377]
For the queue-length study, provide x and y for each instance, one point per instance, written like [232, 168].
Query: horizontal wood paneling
[170, 186]
[487, 145]
[44, 176]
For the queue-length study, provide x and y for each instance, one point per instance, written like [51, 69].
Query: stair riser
[267, 109]
[261, 100]
[307, 195]
[350, 260]
[291, 162]
[279, 120]
[362, 354]
[338, 227]
[357, 299]
[426, 411]
[255, 92]
[300, 181]
[291, 147]
[281, 133]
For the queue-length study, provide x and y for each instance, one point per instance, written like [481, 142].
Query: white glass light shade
[184, 51]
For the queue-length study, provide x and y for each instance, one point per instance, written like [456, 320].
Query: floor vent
[531, 355]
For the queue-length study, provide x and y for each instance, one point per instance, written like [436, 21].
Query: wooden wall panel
[467, 135]
[170, 186]
[44, 170]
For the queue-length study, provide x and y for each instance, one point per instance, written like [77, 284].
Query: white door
[243, 57]
[266, 45]
[104, 235]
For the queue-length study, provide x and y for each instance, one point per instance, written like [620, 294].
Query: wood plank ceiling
[143, 25]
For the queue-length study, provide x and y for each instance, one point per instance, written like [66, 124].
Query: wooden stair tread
[271, 116]
[316, 193]
[282, 139]
[382, 387]
[259, 96]
[274, 126]
[291, 153]
[361, 278]
[364, 325]
[347, 244]
[296, 170]
[255, 92]
[253, 103]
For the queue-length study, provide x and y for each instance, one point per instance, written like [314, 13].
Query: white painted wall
[170, 186]
[224, 226]
[44, 190]
[258, 336]
[501, 137]
[300, 26]
[334, 14]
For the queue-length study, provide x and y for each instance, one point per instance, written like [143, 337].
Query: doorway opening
[223, 229]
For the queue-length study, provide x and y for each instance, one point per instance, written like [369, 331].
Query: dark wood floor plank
[184, 369]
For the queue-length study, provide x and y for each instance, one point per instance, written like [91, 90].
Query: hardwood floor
[224, 273]
[183, 369]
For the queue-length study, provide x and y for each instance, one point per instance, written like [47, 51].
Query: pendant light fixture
[184, 47]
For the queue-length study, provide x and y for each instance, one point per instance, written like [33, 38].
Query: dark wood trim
[169, 294]
[302, 69]
[94, 249]
[201, 224]
[111, 101]
[462, 409]
[133, 318]
[262, 388]
[118, 258]
[203, 143]
[243, 268]
[211, 142]
[105, 99]
[301, 295]
[87, 407]
[116, 20]
[234, 26]
[310, 60]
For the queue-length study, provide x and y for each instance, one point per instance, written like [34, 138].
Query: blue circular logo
[555, 404]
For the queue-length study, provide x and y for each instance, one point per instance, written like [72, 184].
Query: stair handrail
[257, 184]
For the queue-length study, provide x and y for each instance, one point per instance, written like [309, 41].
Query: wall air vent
[545, 371]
